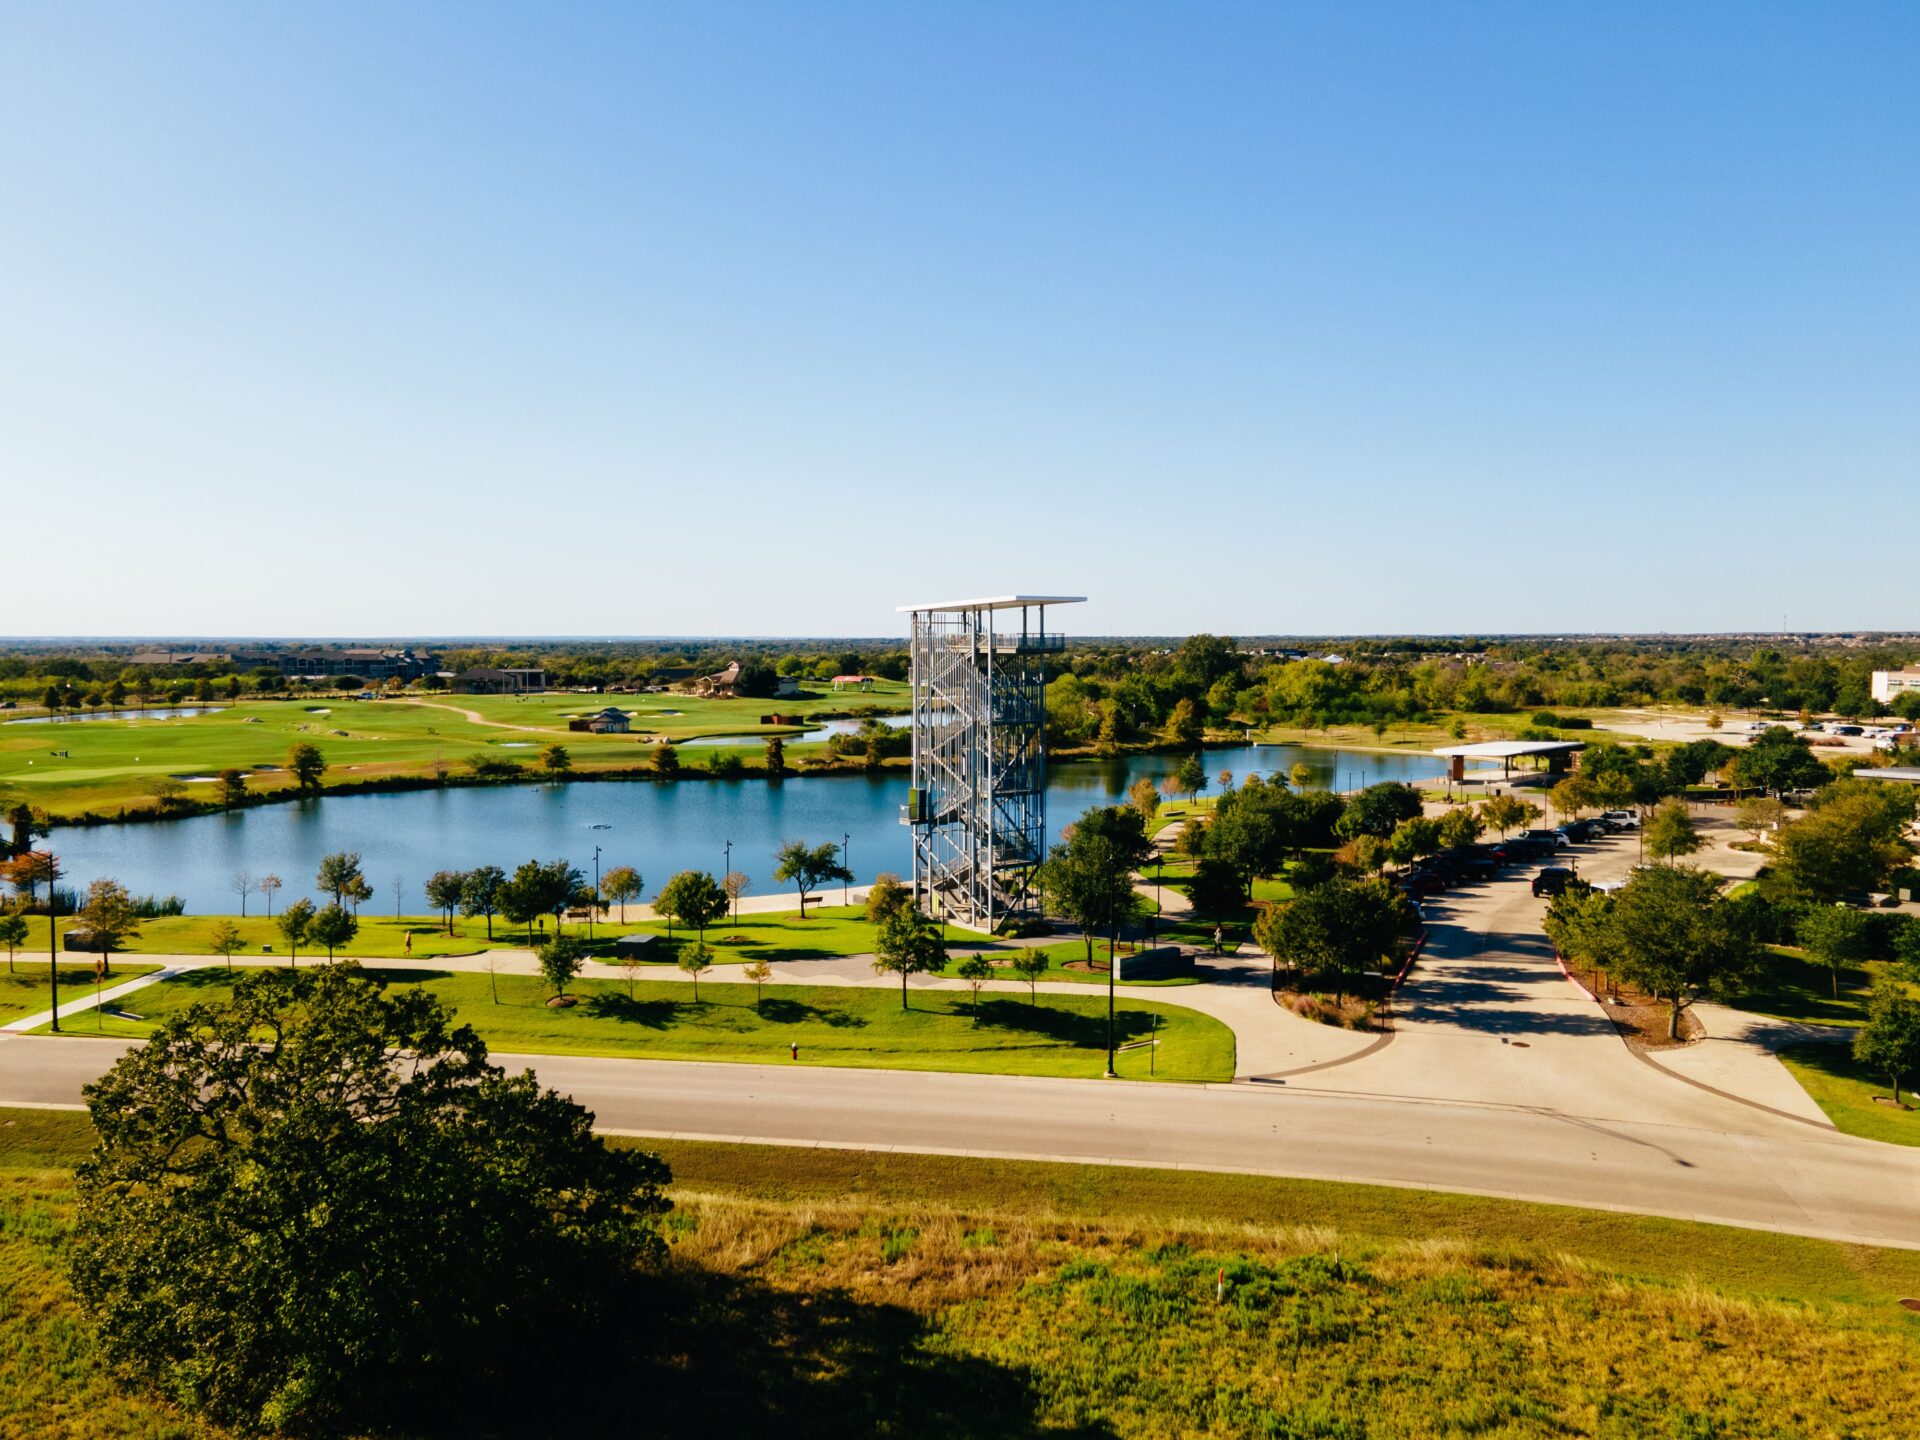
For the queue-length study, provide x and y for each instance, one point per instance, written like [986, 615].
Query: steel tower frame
[978, 806]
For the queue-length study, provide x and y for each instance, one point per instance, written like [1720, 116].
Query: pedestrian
[1216, 939]
[409, 949]
[794, 1045]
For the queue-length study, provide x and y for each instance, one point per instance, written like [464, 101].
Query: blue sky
[725, 318]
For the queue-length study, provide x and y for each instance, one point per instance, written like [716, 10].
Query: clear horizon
[724, 321]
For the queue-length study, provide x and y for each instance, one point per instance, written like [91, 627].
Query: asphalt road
[1798, 1179]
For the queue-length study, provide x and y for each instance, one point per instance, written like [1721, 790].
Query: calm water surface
[656, 828]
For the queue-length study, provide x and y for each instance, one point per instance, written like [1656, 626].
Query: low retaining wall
[1164, 962]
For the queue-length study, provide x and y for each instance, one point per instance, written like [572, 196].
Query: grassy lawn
[1851, 1095]
[23, 989]
[1800, 990]
[834, 1025]
[106, 766]
[834, 1293]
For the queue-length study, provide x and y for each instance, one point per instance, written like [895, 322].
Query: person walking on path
[409, 949]
[1216, 939]
[794, 1045]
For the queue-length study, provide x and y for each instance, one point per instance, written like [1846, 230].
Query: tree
[666, 759]
[1185, 726]
[1507, 812]
[1371, 853]
[1335, 932]
[1836, 936]
[480, 894]
[333, 926]
[444, 890]
[1300, 774]
[556, 762]
[1571, 796]
[1191, 777]
[1757, 814]
[1029, 965]
[166, 791]
[694, 899]
[210, 1266]
[224, 939]
[560, 961]
[294, 923]
[735, 883]
[1378, 809]
[1089, 878]
[557, 888]
[233, 788]
[27, 871]
[308, 766]
[1673, 935]
[976, 970]
[1670, 832]
[522, 897]
[337, 875]
[1890, 1040]
[621, 884]
[806, 867]
[696, 960]
[1412, 839]
[1778, 760]
[1225, 779]
[13, 935]
[776, 757]
[241, 883]
[267, 886]
[1850, 842]
[759, 973]
[1461, 826]
[908, 944]
[358, 892]
[108, 917]
[27, 825]
[1106, 739]
[1144, 798]
[885, 896]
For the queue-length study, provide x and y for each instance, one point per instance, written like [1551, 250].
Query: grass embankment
[815, 1293]
[828, 932]
[109, 766]
[833, 1025]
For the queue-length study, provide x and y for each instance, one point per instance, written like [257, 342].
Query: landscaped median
[1007, 1033]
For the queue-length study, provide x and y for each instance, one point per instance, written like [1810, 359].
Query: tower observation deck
[978, 805]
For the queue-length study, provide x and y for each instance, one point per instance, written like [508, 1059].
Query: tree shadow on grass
[778, 1011]
[737, 1357]
[1066, 1027]
[648, 1014]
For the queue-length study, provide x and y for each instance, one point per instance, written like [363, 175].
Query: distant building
[486, 680]
[786, 688]
[722, 684]
[602, 722]
[852, 682]
[1890, 685]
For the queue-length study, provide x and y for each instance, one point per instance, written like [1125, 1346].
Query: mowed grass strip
[24, 989]
[1858, 1101]
[1063, 1035]
[828, 932]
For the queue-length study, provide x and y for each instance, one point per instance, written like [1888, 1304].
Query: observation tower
[978, 806]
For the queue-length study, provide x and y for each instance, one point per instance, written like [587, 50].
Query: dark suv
[1552, 880]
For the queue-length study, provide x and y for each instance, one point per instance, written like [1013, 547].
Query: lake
[655, 827]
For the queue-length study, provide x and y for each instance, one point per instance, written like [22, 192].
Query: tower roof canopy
[997, 602]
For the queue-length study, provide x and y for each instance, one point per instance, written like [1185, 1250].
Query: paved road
[1798, 1179]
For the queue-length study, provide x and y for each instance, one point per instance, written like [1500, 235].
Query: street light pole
[53, 943]
[596, 892]
[846, 853]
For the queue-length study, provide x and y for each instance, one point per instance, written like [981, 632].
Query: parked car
[1552, 880]
[1580, 832]
[1553, 839]
[1619, 819]
[1421, 883]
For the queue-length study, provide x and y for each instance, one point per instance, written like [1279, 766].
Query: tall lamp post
[846, 852]
[723, 880]
[53, 939]
[1113, 967]
[596, 892]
